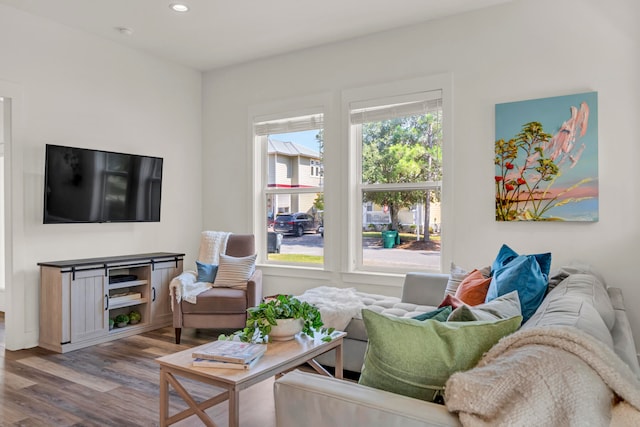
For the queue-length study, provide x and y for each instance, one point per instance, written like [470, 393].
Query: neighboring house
[375, 217]
[292, 165]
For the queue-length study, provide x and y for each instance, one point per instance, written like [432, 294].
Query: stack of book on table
[228, 355]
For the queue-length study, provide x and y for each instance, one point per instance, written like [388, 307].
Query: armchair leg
[178, 332]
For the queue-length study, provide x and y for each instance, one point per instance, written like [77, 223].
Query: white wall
[3, 110]
[522, 50]
[74, 89]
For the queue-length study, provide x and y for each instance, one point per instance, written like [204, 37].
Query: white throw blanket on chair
[546, 376]
[336, 305]
[186, 286]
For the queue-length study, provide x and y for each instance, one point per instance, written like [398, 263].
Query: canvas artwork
[546, 159]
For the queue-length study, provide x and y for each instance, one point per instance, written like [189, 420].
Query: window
[397, 144]
[292, 188]
[379, 161]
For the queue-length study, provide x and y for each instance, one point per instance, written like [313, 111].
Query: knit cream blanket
[186, 286]
[337, 306]
[546, 376]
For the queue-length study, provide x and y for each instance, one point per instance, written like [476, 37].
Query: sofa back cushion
[591, 290]
[424, 288]
[571, 311]
[623, 342]
[415, 358]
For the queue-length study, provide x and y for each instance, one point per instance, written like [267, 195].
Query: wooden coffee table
[279, 358]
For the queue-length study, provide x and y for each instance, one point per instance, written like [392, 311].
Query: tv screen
[83, 185]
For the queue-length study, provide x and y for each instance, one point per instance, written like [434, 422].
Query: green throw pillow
[415, 358]
[440, 314]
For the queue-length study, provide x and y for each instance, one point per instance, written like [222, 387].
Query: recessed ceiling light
[125, 31]
[179, 7]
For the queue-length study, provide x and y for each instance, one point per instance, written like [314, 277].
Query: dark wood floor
[111, 384]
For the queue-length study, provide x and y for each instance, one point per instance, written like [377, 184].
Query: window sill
[358, 280]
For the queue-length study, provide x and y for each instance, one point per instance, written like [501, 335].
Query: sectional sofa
[581, 303]
[420, 293]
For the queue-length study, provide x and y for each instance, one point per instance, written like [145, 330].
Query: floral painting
[546, 159]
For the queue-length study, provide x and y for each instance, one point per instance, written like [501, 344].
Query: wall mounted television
[93, 186]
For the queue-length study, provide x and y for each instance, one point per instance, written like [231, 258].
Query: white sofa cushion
[312, 400]
[591, 290]
[571, 310]
[621, 333]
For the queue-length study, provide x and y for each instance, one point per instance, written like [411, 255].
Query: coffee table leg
[339, 362]
[164, 397]
[234, 408]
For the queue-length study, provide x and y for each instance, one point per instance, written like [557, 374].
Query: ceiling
[218, 33]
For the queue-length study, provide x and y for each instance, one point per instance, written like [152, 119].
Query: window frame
[386, 94]
[278, 111]
[342, 216]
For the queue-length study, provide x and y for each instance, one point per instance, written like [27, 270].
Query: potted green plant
[263, 320]
[134, 317]
[121, 320]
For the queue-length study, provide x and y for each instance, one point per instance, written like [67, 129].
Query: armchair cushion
[219, 301]
[235, 271]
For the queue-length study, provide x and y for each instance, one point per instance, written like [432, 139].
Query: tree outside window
[401, 172]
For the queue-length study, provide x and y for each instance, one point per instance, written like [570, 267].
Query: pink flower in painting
[560, 147]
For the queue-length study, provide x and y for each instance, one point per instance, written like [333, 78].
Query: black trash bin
[274, 240]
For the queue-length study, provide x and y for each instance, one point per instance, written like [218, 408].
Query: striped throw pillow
[234, 272]
[456, 276]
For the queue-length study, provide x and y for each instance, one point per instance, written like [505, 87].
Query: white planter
[285, 330]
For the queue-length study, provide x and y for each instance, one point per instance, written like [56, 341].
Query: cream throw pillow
[234, 272]
[456, 276]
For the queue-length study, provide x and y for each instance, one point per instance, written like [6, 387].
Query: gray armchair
[220, 308]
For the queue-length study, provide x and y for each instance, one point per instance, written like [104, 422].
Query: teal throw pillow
[506, 255]
[522, 273]
[206, 272]
[503, 307]
[440, 314]
[415, 358]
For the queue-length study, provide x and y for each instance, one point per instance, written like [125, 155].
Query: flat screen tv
[84, 185]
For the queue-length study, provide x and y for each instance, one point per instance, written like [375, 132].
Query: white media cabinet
[78, 297]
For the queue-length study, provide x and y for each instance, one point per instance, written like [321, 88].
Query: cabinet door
[163, 272]
[89, 312]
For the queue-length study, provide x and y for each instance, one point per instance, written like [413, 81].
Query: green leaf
[260, 319]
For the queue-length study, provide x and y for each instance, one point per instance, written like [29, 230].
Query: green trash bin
[389, 239]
